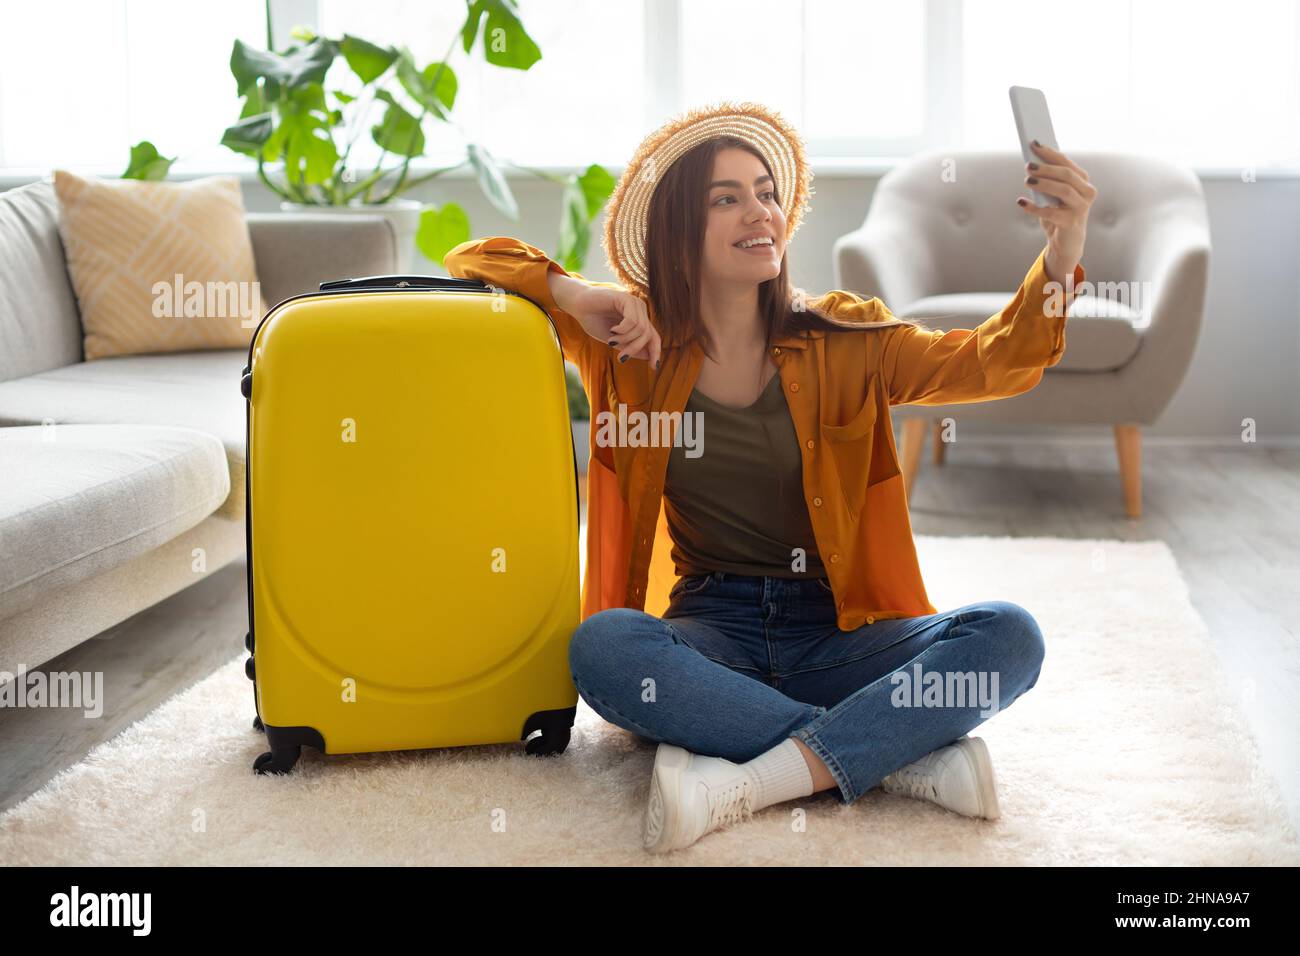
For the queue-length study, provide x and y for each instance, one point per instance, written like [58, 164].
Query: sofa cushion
[1100, 334]
[187, 389]
[159, 266]
[80, 499]
[39, 327]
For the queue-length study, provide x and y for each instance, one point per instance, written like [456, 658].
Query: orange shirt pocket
[861, 451]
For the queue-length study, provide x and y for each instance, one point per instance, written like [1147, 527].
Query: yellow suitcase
[412, 521]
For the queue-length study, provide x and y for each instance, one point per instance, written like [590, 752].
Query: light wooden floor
[1231, 517]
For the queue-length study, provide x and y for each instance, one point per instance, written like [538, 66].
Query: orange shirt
[839, 387]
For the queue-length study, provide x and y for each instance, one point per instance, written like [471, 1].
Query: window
[850, 75]
[1207, 84]
[1202, 84]
[82, 80]
[580, 103]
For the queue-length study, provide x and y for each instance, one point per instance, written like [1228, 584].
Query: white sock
[779, 774]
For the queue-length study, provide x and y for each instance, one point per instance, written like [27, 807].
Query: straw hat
[629, 207]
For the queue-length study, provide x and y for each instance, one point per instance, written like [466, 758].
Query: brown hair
[677, 209]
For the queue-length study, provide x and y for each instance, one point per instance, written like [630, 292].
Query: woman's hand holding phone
[1066, 225]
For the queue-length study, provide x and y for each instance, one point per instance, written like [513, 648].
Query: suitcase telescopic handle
[403, 282]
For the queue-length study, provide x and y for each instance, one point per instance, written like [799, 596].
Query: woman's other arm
[516, 266]
[586, 314]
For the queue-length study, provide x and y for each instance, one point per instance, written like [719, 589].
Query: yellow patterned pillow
[157, 266]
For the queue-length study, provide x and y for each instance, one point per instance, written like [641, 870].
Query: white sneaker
[958, 777]
[691, 795]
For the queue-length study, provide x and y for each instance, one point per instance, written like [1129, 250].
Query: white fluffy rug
[1128, 751]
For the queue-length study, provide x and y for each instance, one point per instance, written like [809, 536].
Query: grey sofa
[122, 479]
[952, 250]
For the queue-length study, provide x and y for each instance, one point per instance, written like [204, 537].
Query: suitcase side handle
[403, 282]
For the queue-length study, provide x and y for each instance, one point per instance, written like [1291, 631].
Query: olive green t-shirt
[739, 506]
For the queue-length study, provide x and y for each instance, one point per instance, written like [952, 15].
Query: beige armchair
[944, 241]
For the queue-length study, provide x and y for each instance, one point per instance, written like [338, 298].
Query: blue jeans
[739, 663]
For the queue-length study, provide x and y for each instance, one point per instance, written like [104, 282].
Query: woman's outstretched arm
[1006, 354]
[1003, 356]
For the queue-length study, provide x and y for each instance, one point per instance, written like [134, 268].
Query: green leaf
[368, 61]
[344, 98]
[469, 29]
[298, 67]
[146, 163]
[584, 196]
[434, 88]
[311, 156]
[301, 137]
[249, 135]
[597, 185]
[491, 181]
[575, 233]
[441, 230]
[309, 97]
[398, 132]
[505, 41]
[254, 103]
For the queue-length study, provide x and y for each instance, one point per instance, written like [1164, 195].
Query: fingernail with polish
[1033, 165]
[1032, 179]
[622, 358]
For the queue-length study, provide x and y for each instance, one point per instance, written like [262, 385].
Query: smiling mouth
[768, 244]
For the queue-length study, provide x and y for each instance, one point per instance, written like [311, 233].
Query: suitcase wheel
[286, 747]
[554, 726]
[548, 743]
[257, 723]
[279, 761]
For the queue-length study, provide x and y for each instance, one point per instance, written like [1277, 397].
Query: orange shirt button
[809, 443]
[835, 559]
[870, 619]
[777, 350]
[817, 502]
[794, 386]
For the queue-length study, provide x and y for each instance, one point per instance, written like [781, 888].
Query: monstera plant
[305, 108]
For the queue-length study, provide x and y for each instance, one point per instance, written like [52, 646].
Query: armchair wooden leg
[913, 442]
[1128, 445]
[940, 446]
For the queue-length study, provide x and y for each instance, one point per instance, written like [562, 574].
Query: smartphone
[1033, 122]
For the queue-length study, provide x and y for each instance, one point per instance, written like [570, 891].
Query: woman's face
[742, 204]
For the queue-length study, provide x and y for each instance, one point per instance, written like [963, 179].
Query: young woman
[797, 650]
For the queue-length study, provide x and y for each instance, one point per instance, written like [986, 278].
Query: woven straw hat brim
[628, 212]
